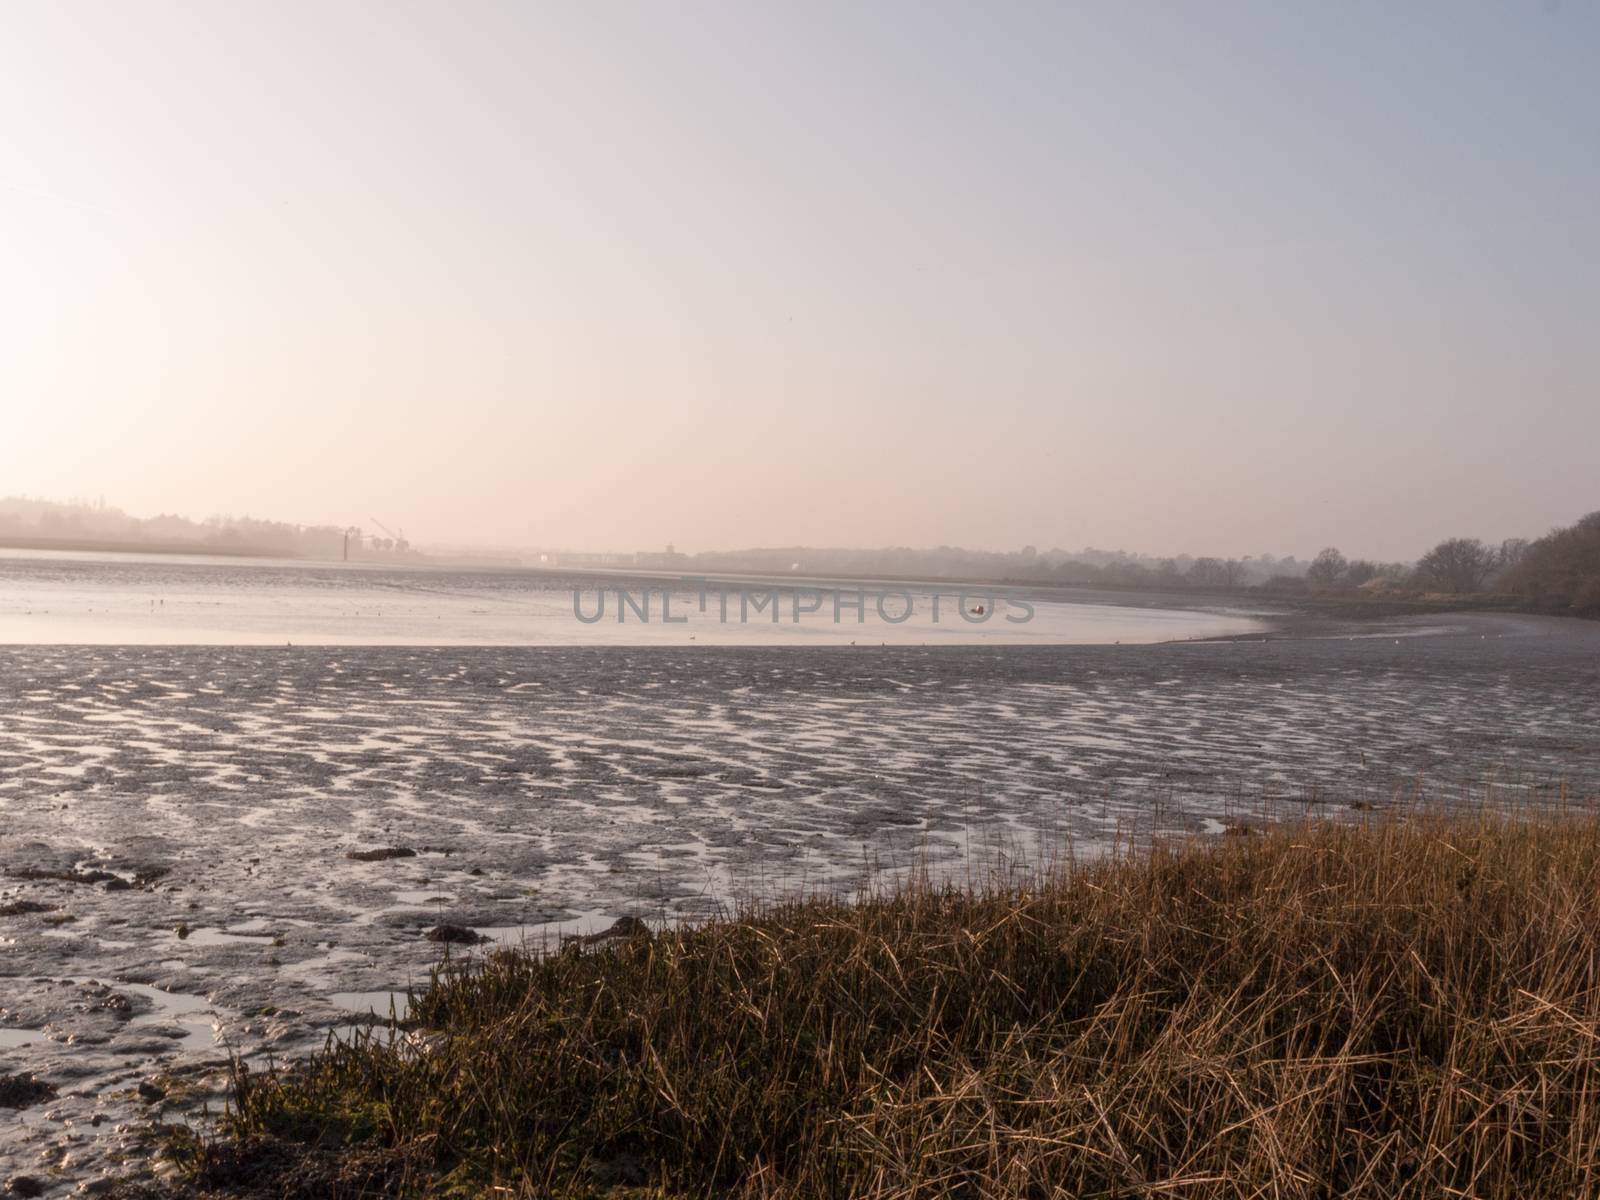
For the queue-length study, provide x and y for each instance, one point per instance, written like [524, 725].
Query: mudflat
[207, 849]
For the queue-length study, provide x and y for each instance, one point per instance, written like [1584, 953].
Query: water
[69, 598]
[194, 1015]
[379, 1003]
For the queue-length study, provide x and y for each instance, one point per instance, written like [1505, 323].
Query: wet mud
[216, 850]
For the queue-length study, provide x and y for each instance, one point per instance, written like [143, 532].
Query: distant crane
[399, 539]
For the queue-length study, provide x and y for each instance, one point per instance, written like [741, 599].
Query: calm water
[106, 599]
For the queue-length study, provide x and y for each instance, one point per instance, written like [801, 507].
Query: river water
[126, 599]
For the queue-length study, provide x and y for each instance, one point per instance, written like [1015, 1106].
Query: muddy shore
[176, 878]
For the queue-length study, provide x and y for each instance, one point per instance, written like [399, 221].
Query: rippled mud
[186, 833]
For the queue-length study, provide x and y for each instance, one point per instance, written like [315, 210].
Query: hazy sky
[1224, 278]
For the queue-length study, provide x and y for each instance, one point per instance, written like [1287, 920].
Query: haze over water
[106, 599]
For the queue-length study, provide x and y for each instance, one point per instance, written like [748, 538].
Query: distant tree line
[1086, 567]
[1457, 565]
[23, 517]
[1559, 572]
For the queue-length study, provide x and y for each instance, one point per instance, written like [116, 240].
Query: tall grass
[1406, 1007]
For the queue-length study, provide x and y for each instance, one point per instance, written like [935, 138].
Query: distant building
[660, 560]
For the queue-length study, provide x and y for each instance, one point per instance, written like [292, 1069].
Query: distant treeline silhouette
[46, 521]
[1561, 571]
[1558, 573]
[1089, 566]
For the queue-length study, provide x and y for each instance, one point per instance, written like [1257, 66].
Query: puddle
[549, 934]
[423, 896]
[195, 1015]
[335, 957]
[348, 1034]
[379, 1004]
[219, 937]
[11, 1038]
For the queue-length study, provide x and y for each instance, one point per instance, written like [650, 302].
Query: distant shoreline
[222, 550]
[119, 546]
[1149, 593]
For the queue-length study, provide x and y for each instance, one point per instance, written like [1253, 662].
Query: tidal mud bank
[214, 850]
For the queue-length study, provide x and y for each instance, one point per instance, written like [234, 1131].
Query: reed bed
[1404, 1006]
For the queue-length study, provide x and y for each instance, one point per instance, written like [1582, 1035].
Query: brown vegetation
[1401, 1008]
[1561, 571]
[1558, 573]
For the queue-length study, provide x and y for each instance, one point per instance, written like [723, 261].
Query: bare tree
[1511, 552]
[1560, 572]
[1327, 569]
[1457, 565]
[1358, 571]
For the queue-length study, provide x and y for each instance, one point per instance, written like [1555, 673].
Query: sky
[1214, 278]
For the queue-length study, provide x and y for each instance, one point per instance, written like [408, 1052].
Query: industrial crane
[400, 543]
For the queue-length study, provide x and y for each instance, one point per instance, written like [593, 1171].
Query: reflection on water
[83, 599]
[547, 935]
[379, 1004]
[194, 1015]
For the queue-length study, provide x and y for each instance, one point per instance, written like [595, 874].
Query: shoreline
[1335, 605]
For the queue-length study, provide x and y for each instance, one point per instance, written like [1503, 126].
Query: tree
[1327, 569]
[1358, 571]
[1457, 565]
[1561, 571]
[1511, 552]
